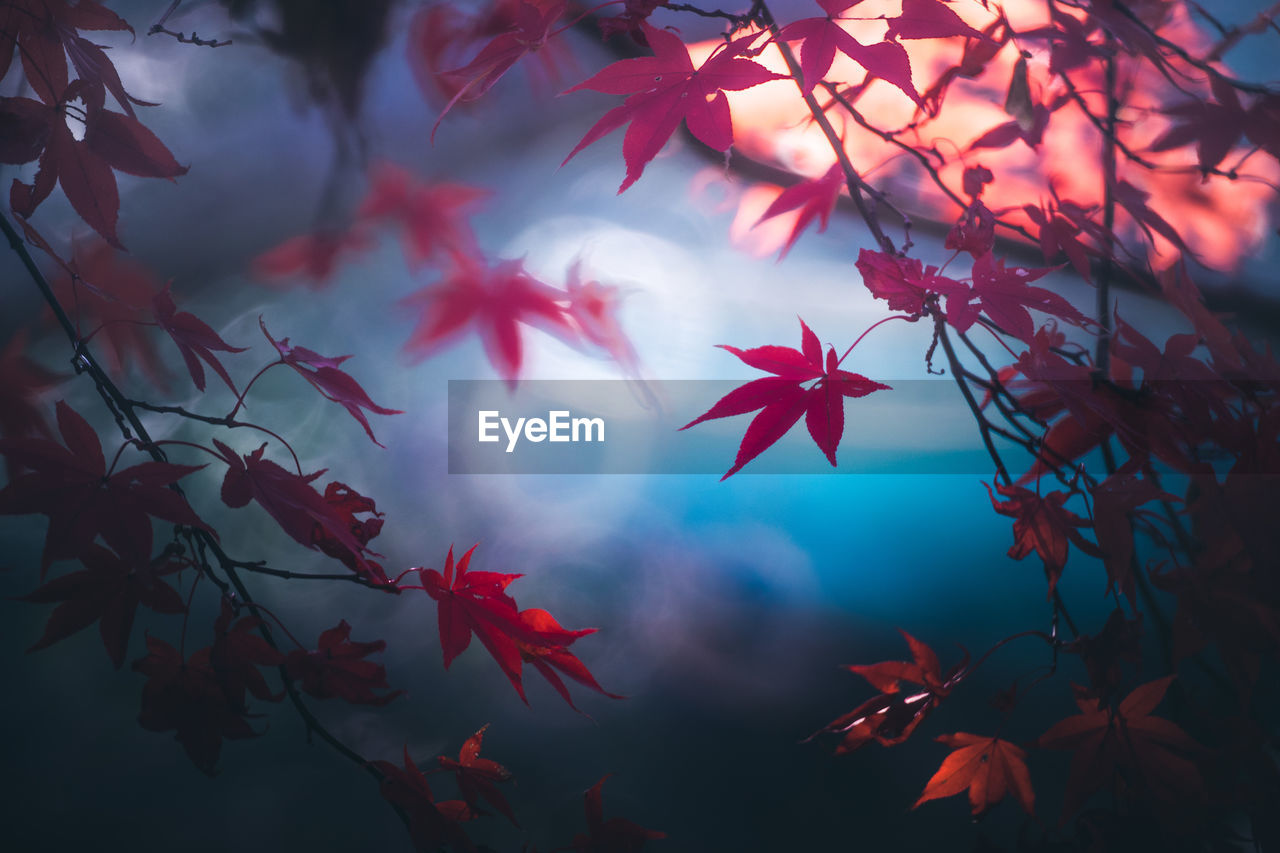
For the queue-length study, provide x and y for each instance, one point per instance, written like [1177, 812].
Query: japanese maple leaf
[237, 653]
[782, 398]
[22, 381]
[83, 499]
[194, 339]
[291, 500]
[666, 89]
[929, 19]
[890, 717]
[815, 199]
[314, 257]
[531, 28]
[113, 300]
[822, 37]
[1043, 525]
[1114, 499]
[187, 698]
[975, 233]
[1134, 202]
[1058, 233]
[477, 603]
[615, 835]
[1148, 751]
[46, 32]
[594, 308]
[338, 669]
[431, 823]
[905, 283]
[1005, 295]
[431, 217]
[348, 503]
[1030, 132]
[495, 301]
[84, 167]
[478, 777]
[548, 657]
[326, 377]
[1213, 126]
[987, 767]
[108, 591]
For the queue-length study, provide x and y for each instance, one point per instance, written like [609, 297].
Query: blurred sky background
[724, 608]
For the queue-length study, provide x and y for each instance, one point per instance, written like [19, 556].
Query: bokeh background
[724, 608]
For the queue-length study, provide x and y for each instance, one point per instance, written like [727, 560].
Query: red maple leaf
[477, 603]
[666, 89]
[291, 500]
[530, 29]
[237, 652]
[1005, 295]
[1043, 525]
[615, 835]
[975, 233]
[988, 767]
[495, 301]
[431, 824]
[113, 300]
[905, 283]
[348, 503]
[1214, 127]
[594, 308]
[1058, 233]
[815, 199]
[929, 19]
[548, 657]
[783, 398]
[194, 339]
[337, 669]
[187, 698]
[430, 216]
[1147, 751]
[1114, 499]
[890, 717]
[822, 37]
[314, 256]
[333, 383]
[83, 499]
[107, 591]
[478, 777]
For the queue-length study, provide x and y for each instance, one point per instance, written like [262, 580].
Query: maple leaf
[477, 603]
[83, 500]
[194, 339]
[782, 399]
[929, 19]
[333, 383]
[1147, 750]
[666, 89]
[1006, 294]
[107, 591]
[1058, 233]
[429, 215]
[495, 301]
[187, 698]
[291, 500]
[113, 296]
[1213, 126]
[1043, 525]
[237, 652]
[815, 199]
[548, 657]
[975, 233]
[1029, 128]
[905, 283]
[478, 777]
[431, 824]
[594, 308]
[314, 256]
[988, 767]
[1114, 499]
[615, 835]
[822, 37]
[348, 503]
[530, 30]
[337, 669]
[890, 717]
